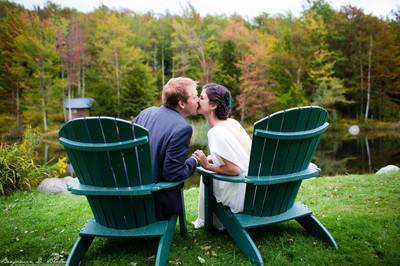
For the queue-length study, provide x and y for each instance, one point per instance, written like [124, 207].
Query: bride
[229, 147]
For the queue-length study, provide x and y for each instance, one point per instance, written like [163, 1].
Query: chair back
[283, 143]
[110, 152]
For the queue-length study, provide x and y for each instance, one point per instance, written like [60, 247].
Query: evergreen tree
[138, 90]
[328, 91]
[227, 72]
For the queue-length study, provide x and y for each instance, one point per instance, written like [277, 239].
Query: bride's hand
[201, 157]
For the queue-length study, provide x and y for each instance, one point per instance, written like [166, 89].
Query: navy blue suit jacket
[169, 134]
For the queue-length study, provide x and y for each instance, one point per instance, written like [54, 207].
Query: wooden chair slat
[115, 159]
[145, 171]
[97, 210]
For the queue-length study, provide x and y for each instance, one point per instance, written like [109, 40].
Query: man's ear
[181, 105]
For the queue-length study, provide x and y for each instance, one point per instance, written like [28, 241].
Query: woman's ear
[213, 106]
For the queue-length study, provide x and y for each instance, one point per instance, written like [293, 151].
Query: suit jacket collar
[170, 108]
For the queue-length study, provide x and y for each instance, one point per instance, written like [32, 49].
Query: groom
[170, 134]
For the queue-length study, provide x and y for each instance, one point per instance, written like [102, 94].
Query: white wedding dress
[230, 141]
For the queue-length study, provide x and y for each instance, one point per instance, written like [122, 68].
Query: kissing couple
[169, 137]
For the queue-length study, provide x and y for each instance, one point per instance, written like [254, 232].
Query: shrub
[33, 118]
[6, 122]
[56, 118]
[18, 171]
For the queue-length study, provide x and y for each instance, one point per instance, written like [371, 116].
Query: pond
[337, 153]
[340, 153]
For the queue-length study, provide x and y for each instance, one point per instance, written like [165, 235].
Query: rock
[387, 169]
[71, 181]
[313, 165]
[354, 130]
[57, 185]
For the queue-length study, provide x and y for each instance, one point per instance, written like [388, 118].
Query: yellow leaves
[176, 261]
[208, 251]
[58, 257]
[205, 248]
[314, 24]
[201, 260]
[62, 166]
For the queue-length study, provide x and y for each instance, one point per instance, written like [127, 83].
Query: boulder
[388, 169]
[57, 185]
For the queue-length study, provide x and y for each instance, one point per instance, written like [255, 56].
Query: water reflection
[343, 154]
[368, 154]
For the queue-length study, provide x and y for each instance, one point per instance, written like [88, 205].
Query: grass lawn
[362, 212]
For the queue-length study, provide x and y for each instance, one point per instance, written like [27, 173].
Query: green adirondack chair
[111, 158]
[282, 147]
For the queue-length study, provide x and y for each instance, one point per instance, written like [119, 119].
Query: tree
[345, 60]
[10, 87]
[138, 90]
[164, 30]
[328, 89]
[381, 61]
[257, 95]
[254, 48]
[227, 71]
[36, 54]
[296, 42]
[153, 35]
[114, 53]
[70, 46]
[295, 96]
[191, 36]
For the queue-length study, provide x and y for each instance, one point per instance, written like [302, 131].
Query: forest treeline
[345, 60]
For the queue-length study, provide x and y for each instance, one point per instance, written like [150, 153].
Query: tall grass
[18, 171]
[199, 137]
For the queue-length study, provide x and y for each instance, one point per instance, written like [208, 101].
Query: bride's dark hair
[221, 96]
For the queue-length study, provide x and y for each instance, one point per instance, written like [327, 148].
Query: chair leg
[165, 243]
[315, 228]
[79, 249]
[182, 217]
[239, 235]
[208, 203]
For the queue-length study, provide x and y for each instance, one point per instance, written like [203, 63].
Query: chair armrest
[165, 185]
[111, 191]
[311, 171]
[277, 179]
[121, 191]
[227, 178]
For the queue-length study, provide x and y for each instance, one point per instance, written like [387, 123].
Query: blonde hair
[176, 90]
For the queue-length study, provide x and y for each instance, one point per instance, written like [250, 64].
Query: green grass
[362, 212]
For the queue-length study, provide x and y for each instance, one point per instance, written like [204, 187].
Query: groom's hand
[201, 157]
